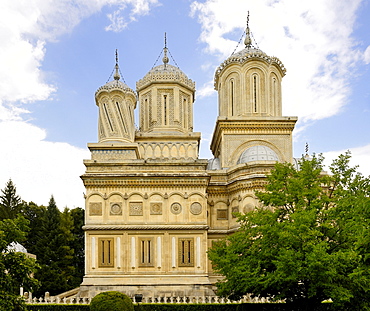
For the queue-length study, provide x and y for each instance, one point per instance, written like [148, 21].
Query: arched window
[232, 96]
[255, 89]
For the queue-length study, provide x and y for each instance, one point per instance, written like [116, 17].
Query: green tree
[16, 268]
[78, 245]
[56, 257]
[310, 241]
[10, 203]
[35, 215]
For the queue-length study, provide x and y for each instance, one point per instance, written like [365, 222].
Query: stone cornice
[154, 182]
[144, 227]
[222, 231]
[251, 125]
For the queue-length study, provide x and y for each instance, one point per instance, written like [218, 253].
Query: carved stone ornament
[222, 214]
[248, 208]
[95, 209]
[234, 211]
[196, 208]
[136, 208]
[156, 208]
[176, 208]
[116, 208]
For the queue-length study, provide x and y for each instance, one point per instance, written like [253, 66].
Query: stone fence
[187, 300]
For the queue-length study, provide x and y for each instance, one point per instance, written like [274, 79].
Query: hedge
[192, 307]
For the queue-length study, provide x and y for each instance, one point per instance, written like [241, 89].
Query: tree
[35, 215]
[56, 258]
[78, 245]
[10, 202]
[308, 243]
[16, 268]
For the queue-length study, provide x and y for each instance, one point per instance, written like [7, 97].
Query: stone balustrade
[168, 300]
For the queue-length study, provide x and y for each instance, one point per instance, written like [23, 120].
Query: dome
[163, 74]
[214, 164]
[16, 247]
[114, 85]
[258, 153]
[166, 68]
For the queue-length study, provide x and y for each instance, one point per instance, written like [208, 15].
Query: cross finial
[116, 74]
[248, 40]
[306, 148]
[165, 58]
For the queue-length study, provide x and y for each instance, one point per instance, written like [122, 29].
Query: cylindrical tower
[116, 102]
[249, 83]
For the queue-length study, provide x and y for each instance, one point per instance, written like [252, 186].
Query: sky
[54, 55]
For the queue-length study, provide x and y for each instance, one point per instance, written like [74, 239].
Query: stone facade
[153, 208]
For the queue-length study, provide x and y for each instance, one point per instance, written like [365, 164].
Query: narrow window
[255, 93]
[146, 252]
[232, 97]
[106, 114]
[165, 108]
[186, 253]
[106, 252]
[121, 117]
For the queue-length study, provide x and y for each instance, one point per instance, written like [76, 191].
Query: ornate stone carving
[136, 208]
[156, 208]
[234, 211]
[95, 209]
[176, 208]
[116, 208]
[196, 208]
[248, 208]
[222, 214]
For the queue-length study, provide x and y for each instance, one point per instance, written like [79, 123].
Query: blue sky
[54, 55]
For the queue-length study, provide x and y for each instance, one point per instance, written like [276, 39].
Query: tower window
[165, 108]
[232, 96]
[106, 252]
[107, 115]
[255, 93]
[186, 252]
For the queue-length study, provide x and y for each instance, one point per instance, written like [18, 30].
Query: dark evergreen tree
[10, 203]
[56, 258]
[35, 215]
[77, 244]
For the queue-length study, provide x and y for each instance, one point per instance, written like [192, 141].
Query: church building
[153, 208]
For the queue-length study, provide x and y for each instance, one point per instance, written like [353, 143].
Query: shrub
[111, 301]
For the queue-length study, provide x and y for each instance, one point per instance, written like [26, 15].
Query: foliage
[186, 307]
[111, 301]
[78, 245]
[57, 307]
[10, 203]
[54, 252]
[16, 268]
[309, 243]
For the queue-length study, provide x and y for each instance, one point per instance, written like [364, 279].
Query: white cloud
[367, 55]
[359, 156]
[312, 38]
[206, 90]
[38, 167]
[139, 7]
